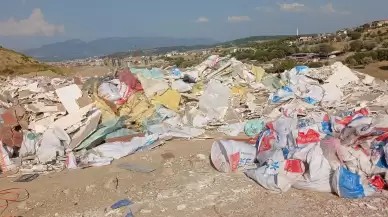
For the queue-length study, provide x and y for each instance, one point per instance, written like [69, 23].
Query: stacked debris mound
[305, 128]
[328, 133]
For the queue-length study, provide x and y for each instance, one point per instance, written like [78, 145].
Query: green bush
[355, 45]
[385, 44]
[369, 45]
[354, 35]
[315, 64]
[367, 60]
[325, 48]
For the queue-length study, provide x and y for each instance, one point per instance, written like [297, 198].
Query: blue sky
[32, 23]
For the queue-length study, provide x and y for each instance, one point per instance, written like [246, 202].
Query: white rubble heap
[322, 129]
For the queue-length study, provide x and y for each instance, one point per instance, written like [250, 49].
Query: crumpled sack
[277, 174]
[215, 100]
[109, 92]
[29, 144]
[52, 145]
[254, 127]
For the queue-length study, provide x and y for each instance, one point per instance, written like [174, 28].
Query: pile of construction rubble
[319, 129]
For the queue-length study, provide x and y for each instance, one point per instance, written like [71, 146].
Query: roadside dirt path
[184, 184]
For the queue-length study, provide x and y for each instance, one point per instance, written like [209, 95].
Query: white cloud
[292, 7]
[329, 8]
[264, 9]
[35, 25]
[202, 20]
[238, 18]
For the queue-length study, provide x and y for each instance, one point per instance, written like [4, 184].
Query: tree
[369, 45]
[325, 48]
[355, 45]
[379, 32]
[305, 49]
[354, 35]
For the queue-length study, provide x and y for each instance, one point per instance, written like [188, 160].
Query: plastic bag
[109, 92]
[228, 155]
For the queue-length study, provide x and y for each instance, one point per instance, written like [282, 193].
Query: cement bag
[54, 141]
[362, 126]
[351, 185]
[301, 69]
[6, 164]
[265, 146]
[283, 128]
[278, 174]
[283, 94]
[332, 151]
[317, 177]
[29, 144]
[313, 95]
[342, 119]
[214, 101]
[181, 86]
[254, 127]
[117, 150]
[109, 92]
[228, 155]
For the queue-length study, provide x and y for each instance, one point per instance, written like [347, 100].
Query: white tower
[297, 31]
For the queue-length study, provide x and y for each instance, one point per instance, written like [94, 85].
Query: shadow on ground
[385, 68]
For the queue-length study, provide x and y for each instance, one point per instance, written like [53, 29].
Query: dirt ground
[183, 184]
[377, 70]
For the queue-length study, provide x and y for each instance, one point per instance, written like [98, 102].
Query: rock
[181, 207]
[90, 188]
[66, 191]
[201, 157]
[145, 211]
[371, 207]
[196, 164]
[112, 184]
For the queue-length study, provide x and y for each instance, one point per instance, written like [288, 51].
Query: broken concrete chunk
[68, 96]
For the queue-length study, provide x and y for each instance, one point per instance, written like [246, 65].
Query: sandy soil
[184, 184]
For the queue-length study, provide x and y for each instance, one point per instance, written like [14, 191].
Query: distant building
[305, 38]
[379, 23]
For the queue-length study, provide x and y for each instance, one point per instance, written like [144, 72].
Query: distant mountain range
[76, 48]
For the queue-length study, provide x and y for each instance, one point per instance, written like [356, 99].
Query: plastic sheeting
[215, 100]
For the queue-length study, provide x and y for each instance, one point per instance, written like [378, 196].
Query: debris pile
[307, 128]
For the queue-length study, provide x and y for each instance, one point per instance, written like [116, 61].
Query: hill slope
[76, 48]
[12, 63]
